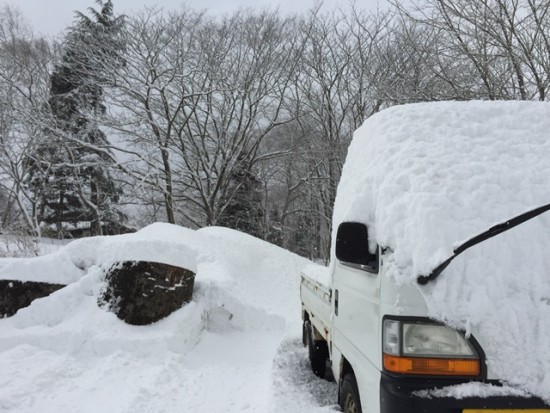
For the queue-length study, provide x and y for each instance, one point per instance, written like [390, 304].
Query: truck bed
[316, 302]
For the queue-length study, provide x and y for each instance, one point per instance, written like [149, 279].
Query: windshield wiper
[490, 233]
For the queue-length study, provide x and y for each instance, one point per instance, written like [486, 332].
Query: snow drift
[218, 353]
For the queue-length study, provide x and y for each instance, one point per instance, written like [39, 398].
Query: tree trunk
[60, 215]
[95, 224]
[168, 200]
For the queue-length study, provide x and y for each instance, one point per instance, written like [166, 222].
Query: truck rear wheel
[318, 352]
[349, 395]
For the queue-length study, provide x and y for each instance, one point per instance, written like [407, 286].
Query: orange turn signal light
[432, 366]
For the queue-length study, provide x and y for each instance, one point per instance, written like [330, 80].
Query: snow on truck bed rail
[425, 177]
[318, 273]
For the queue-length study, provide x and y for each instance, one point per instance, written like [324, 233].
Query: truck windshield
[490, 233]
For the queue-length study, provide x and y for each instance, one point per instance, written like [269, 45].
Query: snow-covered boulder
[15, 294]
[141, 292]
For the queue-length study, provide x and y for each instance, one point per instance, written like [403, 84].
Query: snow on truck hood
[424, 178]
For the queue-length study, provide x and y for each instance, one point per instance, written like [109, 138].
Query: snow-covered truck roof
[426, 177]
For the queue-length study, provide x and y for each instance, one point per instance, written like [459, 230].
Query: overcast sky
[50, 17]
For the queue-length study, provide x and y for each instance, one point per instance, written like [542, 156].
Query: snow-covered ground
[236, 347]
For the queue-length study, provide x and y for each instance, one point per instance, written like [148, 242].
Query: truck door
[356, 304]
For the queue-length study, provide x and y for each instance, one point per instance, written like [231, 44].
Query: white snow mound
[217, 353]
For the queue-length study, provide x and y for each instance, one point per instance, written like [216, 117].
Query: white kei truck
[437, 294]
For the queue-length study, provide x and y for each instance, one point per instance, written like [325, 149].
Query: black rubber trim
[397, 396]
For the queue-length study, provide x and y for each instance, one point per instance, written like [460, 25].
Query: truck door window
[352, 247]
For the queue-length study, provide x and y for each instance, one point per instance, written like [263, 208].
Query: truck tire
[349, 395]
[318, 352]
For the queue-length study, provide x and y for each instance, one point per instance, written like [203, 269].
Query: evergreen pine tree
[72, 163]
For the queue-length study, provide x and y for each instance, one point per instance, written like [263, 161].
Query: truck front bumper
[398, 395]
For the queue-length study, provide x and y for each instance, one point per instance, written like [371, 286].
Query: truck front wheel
[349, 395]
[318, 352]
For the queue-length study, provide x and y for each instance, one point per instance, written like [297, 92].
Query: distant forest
[242, 120]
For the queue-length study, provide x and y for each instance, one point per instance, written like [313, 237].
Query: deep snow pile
[221, 352]
[425, 177]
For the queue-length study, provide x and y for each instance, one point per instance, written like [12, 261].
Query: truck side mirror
[352, 247]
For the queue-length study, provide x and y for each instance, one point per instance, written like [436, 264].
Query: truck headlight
[427, 348]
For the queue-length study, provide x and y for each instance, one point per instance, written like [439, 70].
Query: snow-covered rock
[143, 292]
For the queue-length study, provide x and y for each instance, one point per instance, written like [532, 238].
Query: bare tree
[505, 42]
[194, 100]
[333, 93]
[248, 61]
[149, 95]
[25, 62]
